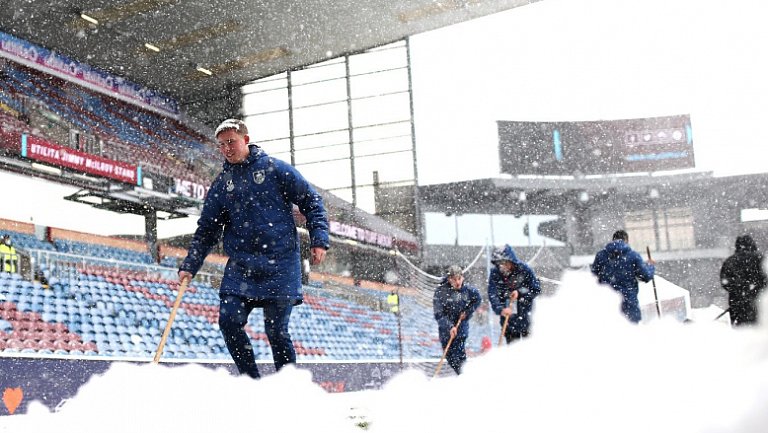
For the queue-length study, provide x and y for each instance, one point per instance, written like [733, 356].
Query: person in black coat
[742, 275]
[453, 300]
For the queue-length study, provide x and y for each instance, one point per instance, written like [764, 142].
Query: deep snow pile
[586, 369]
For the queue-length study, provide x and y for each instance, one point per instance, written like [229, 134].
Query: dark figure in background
[8, 254]
[512, 287]
[251, 202]
[453, 300]
[620, 266]
[742, 275]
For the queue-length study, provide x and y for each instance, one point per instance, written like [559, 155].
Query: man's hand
[184, 276]
[513, 296]
[506, 312]
[317, 255]
[651, 262]
[454, 331]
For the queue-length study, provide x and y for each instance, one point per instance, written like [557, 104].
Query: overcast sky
[554, 60]
[559, 60]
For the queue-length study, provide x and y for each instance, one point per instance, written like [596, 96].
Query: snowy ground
[586, 369]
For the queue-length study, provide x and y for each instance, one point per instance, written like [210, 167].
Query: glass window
[265, 102]
[268, 83]
[278, 148]
[377, 60]
[679, 229]
[392, 168]
[383, 131]
[639, 226]
[672, 227]
[383, 145]
[318, 174]
[379, 83]
[319, 93]
[270, 126]
[319, 119]
[322, 139]
[319, 72]
[323, 154]
[382, 109]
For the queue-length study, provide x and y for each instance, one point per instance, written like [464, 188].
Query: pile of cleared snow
[588, 369]
[150, 398]
[585, 368]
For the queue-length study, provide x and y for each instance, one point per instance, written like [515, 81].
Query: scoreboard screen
[596, 147]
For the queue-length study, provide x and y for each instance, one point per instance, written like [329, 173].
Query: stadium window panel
[324, 153]
[640, 227]
[278, 148]
[383, 131]
[267, 83]
[318, 174]
[394, 167]
[678, 226]
[672, 227]
[379, 83]
[320, 119]
[265, 102]
[319, 93]
[321, 139]
[319, 72]
[382, 109]
[387, 57]
[270, 126]
[383, 146]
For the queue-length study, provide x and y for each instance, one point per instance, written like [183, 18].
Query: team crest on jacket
[230, 185]
[259, 176]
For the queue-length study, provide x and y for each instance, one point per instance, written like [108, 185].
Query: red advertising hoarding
[40, 150]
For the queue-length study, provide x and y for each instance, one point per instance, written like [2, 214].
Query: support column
[150, 234]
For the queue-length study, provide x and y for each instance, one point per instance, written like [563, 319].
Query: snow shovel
[722, 314]
[655, 295]
[167, 330]
[506, 322]
[447, 346]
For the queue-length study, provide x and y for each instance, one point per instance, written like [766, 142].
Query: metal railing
[64, 265]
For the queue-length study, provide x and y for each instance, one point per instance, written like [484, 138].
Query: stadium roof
[236, 41]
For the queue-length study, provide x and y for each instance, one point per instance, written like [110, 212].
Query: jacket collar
[254, 153]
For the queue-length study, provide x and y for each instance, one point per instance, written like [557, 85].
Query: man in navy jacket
[453, 300]
[251, 202]
[620, 267]
[512, 285]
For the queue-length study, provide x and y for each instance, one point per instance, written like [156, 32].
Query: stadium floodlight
[89, 18]
[203, 70]
[152, 47]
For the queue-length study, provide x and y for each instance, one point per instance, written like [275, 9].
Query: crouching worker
[455, 301]
[512, 287]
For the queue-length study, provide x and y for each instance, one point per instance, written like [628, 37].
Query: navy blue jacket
[448, 304]
[521, 279]
[252, 203]
[619, 266]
